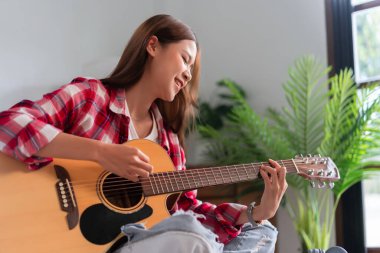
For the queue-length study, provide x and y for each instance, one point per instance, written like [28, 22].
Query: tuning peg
[331, 185]
[309, 155]
[321, 184]
[329, 173]
[310, 172]
[321, 173]
[299, 156]
[312, 184]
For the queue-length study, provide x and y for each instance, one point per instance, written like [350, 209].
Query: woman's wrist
[257, 214]
[99, 152]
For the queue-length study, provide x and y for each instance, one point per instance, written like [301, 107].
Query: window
[353, 32]
[366, 47]
[371, 203]
[371, 191]
[366, 41]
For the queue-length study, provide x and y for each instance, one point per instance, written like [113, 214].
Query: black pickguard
[100, 225]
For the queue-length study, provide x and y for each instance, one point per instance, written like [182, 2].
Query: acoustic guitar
[77, 206]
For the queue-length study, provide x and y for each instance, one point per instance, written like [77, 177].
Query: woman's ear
[152, 45]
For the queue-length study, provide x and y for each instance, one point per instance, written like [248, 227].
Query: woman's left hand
[275, 186]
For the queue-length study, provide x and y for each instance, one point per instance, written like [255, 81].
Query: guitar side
[31, 219]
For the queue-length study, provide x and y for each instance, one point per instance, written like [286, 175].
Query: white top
[132, 133]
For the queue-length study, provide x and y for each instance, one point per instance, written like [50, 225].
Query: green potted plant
[326, 116]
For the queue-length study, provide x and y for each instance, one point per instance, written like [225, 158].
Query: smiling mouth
[179, 83]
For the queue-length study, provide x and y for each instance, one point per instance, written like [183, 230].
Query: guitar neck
[176, 181]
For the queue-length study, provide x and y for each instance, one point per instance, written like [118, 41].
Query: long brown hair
[181, 111]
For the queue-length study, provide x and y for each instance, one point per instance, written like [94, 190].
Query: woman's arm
[123, 160]
[34, 131]
[275, 187]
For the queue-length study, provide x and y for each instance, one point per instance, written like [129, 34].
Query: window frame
[350, 230]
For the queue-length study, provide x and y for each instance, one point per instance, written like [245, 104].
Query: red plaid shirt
[86, 108]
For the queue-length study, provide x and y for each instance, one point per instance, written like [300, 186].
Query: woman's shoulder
[85, 87]
[87, 83]
[79, 90]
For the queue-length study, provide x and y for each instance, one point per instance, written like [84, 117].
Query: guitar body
[78, 207]
[40, 212]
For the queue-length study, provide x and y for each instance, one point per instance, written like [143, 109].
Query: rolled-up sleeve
[28, 126]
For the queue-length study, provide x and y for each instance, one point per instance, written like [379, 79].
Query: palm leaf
[306, 92]
[339, 123]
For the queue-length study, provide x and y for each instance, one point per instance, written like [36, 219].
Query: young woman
[151, 94]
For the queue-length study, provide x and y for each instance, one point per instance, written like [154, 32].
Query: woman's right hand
[125, 161]
[120, 159]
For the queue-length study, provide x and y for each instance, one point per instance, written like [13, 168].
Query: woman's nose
[187, 75]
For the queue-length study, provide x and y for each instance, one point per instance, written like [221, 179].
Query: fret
[229, 174]
[245, 170]
[174, 176]
[186, 176]
[163, 183]
[295, 166]
[170, 180]
[155, 182]
[253, 171]
[167, 179]
[150, 182]
[237, 172]
[159, 180]
[181, 178]
[190, 179]
[207, 177]
[198, 180]
[203, 178]
[195, 181]
[221, 174]
[213, 174]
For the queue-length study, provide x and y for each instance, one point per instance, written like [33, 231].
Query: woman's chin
[168, 98]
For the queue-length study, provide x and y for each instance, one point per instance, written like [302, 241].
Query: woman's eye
[184, 60]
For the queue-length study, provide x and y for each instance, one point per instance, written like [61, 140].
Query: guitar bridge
[66, 196]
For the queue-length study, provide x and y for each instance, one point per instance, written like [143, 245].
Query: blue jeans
[182, 232]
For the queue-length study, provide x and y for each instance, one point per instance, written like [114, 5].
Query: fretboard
[176, 181]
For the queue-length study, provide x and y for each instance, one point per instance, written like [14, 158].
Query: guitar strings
[138, 193]
[162, 186]
[190, 172]
[164, 177]
[135, 193]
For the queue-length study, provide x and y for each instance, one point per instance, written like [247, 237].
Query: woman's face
[172, 67]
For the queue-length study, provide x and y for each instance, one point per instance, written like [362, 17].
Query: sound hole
[121, 192]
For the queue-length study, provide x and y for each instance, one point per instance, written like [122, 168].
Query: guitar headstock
[320, 171]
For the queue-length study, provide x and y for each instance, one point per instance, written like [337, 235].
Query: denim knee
[261, 238]
[179, 222]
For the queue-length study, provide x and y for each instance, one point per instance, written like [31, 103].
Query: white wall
[45, 43]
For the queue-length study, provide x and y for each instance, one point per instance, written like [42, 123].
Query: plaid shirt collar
[117, 105]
